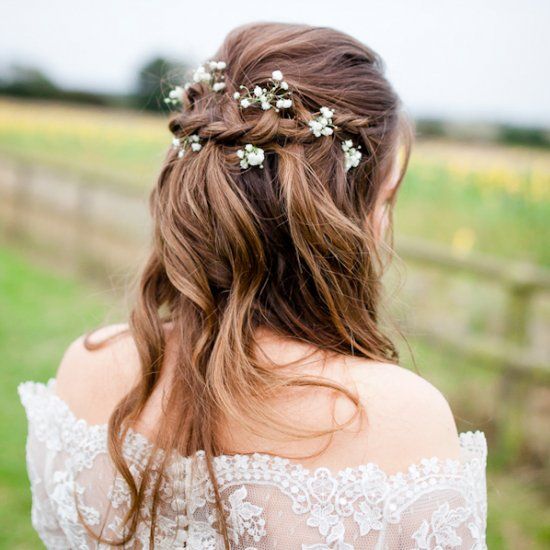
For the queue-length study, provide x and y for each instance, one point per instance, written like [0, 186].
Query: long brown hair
[291, 247]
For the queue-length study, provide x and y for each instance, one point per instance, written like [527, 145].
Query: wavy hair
[291, 247]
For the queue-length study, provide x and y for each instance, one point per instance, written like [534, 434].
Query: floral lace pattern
[270, 502]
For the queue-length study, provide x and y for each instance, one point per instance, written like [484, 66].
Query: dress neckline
[40, 399]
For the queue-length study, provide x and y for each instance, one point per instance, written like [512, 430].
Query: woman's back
[401, 479]
[256, 334]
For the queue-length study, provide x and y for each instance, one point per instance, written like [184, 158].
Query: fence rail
[100, 228]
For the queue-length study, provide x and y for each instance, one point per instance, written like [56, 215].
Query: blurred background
[83, 131]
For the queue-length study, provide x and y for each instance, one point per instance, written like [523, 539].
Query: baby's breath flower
[352, 154]
[251, 156]
[217, 65]
[175, 96]
[322, 125]
[182, 144]
[211, 73]
[276, 95]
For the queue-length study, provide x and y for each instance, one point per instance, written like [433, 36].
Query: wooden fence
[511, 354]
[98, 229]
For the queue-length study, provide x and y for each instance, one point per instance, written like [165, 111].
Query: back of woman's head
[292, 246]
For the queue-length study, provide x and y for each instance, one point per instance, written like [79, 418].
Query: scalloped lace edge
[473, 444]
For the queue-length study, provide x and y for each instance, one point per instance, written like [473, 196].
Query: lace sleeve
[42, 454]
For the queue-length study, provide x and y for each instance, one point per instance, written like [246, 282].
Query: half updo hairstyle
[291, 246]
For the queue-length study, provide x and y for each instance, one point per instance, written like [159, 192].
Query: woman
[254, 401]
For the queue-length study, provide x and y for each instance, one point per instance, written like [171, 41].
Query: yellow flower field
[498, 196]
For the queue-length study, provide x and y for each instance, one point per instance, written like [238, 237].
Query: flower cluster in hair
[175, 96]
[352, 154]
[276, 95]
[322, 125]
[251, 156]
[211, 73]
[182, 144]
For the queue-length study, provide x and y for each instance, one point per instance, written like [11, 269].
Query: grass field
[41, 313]
[485, 198]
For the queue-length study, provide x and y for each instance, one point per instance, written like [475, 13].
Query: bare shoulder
[92, 381]
[408, 418]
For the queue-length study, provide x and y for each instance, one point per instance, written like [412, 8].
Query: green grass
[40, 313]
[467, 211]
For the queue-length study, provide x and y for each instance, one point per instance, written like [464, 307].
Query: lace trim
[57, 426]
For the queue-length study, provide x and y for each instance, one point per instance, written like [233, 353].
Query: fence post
[513, 386]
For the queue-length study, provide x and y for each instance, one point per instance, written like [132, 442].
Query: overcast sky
[469, 59]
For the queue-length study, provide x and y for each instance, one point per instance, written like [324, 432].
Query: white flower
[315, 127]
[322, 125]
[251, 156]
[275, 95]
[176, 93]
[194, 141]
[217, 65]
[352, 155]
[255, 159]
[182, 144]
[175, 96]
[201, 75]
[213, 76]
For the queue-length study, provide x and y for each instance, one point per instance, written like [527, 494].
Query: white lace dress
[271, 502]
